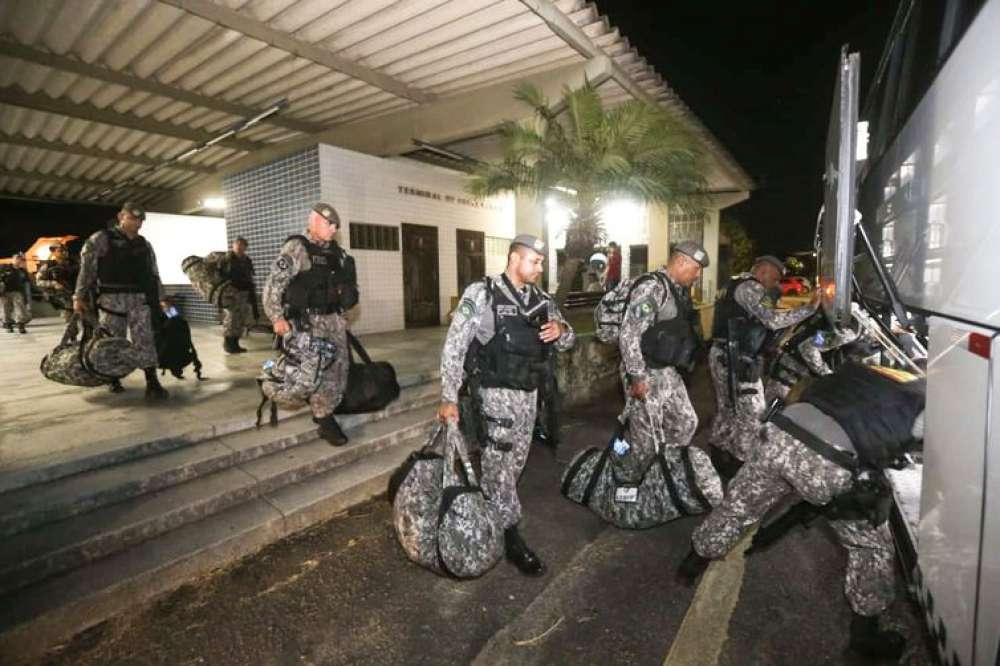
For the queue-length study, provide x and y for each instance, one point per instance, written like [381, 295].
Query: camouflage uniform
[785, 465]
[667, 402]
[294, 259]
[58, 280]
[16, 298]
[509, 413]
[811, 351]
[240, 317]
[738, 429]
[121, 313]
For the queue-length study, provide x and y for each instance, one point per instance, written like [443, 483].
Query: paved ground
[342, 593]
[42, 422]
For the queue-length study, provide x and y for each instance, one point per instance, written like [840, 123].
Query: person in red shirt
[613, 275]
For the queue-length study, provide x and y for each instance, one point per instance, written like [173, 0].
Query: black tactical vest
[126, 267]
[515, 357]
[239, 270]
[328, 286]
[673, 342]
[14, 279]
[876, 412]
[64, 272]
[751, 334]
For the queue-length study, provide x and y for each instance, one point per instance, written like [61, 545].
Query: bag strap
[354, 345]
[455, 451]
[699, 497]
[675, 496]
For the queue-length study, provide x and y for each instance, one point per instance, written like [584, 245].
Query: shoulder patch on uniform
[467, 307]
[644, 308]
[283, 263]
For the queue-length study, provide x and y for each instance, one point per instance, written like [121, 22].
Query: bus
[910, 226]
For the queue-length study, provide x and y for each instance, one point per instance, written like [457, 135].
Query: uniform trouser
[16, 310]
[665, 416]
[785, 465]
[327, 397]
[736, 430]
[239, 317]
[510, 419]
[775, 389]
[121, 313]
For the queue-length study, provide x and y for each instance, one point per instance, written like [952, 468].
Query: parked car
[795, 285]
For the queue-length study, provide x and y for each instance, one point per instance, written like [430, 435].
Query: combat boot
[869, 640]
[116, 386]
[692, 567]
[154, 391]
[21, 329]
[9, 327]
[330, 431]
[522, 557]
[229, 345]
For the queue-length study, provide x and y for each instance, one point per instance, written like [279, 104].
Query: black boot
[154, 391]
[692, 567]
[116, 386]
[9, 327]
[21, 329]
[518, 552]
[236, 346]
[229, 345]
[869, 640]
[330, 431]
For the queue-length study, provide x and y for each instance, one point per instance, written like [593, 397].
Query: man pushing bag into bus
[830, 447]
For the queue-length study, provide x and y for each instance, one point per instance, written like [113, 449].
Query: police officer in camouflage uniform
[505, 326]
[744, 317]
[830, 448]
[57, 279]
[312, 283]
[800, 355]
[660, 337]
[237, 267]
[118, 274]
[16, 296]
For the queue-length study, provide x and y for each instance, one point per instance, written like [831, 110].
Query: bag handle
[354, 345]
[655, 423]
[455, 449]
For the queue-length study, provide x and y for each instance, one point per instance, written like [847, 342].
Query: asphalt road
[343, 593]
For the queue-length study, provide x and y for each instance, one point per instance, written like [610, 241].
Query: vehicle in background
[924, 206]
[795, 285]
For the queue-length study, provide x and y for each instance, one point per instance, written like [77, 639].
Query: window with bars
[374, 237]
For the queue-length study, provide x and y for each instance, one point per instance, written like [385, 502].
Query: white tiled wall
[365, 189]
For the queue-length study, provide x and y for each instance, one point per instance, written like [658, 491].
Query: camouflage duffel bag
[288, 381]
[676, 482]
[96, 358]
[206, 277]
[443, 520]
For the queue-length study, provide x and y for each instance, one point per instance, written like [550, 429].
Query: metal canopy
[94, 92]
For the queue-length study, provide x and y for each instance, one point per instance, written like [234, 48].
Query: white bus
[928, 194]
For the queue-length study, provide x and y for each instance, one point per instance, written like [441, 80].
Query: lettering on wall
[447, 198]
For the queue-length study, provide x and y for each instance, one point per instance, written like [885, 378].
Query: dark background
[759, 74]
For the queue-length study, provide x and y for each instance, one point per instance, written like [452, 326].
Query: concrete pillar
[659, 236]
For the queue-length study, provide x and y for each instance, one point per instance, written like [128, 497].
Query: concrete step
[106, 452]
[34, 506]
[75, 541]
[38, 616]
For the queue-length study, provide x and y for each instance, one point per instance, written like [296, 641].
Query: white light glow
[175, 237]
[215, 203]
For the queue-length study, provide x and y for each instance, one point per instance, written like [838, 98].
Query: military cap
[240, 239]
[771, 259]
[529, 241]
[693, 250]
[134, 209]
[328, 212]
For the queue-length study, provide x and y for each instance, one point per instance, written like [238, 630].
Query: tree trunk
[567, 275]
[582, 235]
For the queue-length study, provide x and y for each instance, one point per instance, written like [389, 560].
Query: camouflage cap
[772, 260]
[328, 212]
[529, 241]
[693, 250]
[134, 209]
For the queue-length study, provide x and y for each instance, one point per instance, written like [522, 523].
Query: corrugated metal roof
[94, 92]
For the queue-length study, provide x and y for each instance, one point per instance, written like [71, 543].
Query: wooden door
[471, 250]
[421, 297]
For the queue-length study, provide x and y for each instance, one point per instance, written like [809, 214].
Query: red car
[795, 285]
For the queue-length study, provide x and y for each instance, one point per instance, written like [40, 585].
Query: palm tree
[585, 155]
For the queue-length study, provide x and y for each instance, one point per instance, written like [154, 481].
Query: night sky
[759, 74]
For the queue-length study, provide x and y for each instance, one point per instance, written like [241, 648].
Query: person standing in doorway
[613, 275]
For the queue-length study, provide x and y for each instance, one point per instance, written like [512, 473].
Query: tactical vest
[751, 334]
[14, 279]
[126, 267]
[789, 374]
[876, 412]
[325, 288]
[239, 271]
[673, 342]
[515, 357]
[64, 273]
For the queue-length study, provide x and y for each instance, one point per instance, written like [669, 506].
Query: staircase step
[75, 541]
[34, 506]
[39, 615]
[116, 451]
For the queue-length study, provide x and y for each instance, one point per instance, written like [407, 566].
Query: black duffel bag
[371, 385]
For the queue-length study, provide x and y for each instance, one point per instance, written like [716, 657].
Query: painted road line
[705, 628]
